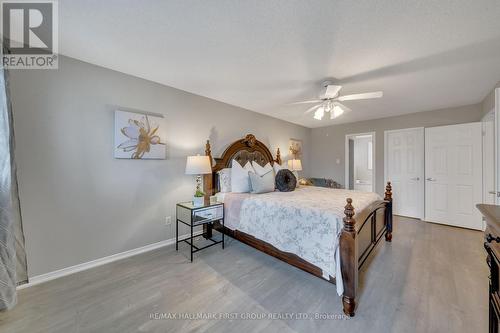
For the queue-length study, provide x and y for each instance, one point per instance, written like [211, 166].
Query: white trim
[497, 142]
[422, 129]
[33, 281]
[346, 157]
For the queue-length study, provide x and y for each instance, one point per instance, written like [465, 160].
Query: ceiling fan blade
[332, 91]
[312, 109]
[375, 94]
[306, 102]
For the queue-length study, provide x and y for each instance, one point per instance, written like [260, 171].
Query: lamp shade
[198, 165]
[295, 165]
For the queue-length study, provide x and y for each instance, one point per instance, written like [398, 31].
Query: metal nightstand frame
[191, 224]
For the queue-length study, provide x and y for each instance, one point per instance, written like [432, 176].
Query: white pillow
[261, 170]
[262, 184]
[225, 180]
[240, 181]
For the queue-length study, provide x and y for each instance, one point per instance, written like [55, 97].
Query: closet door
[404, 168]
[453, 174]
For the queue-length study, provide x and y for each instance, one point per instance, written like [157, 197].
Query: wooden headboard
[244, 150]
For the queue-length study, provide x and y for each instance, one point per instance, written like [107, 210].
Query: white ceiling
[261, 55]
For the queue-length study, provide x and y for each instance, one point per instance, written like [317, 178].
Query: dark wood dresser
[491, 214]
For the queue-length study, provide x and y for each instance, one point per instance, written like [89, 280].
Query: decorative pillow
[262, 170]
[262, 184]
[240, 181]
[225, 180]
[285, 181]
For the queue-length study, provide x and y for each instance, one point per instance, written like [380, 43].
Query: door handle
[492, 192]
[431, 179]
[415, 178]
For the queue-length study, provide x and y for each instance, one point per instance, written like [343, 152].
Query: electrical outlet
[168, 220]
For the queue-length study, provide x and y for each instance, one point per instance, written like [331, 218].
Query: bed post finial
[388, 214]
[208, 179]
[348, 245]
[278, 156]
[208, 151]
[349, 213]
[388, 192]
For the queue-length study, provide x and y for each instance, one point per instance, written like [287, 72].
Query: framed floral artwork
[139, 136]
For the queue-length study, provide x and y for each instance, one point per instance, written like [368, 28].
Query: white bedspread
[306, 222]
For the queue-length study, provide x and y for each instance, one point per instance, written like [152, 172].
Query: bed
[312, 228]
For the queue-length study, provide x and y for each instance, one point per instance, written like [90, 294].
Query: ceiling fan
[329, 101]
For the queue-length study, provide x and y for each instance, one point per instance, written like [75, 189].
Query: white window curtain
[12, 253]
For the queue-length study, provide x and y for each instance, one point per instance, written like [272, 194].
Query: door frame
[497, 143]
[422, 166]
[487, 118]
[374, 171]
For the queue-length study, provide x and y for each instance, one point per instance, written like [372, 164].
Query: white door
[453, 173]
[404, 168]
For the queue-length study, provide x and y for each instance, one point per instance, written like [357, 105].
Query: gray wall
[78, 202]
[328, 143]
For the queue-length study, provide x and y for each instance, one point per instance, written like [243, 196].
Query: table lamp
[295, 166]
[198, 165]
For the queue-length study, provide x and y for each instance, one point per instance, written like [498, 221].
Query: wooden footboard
[352, 255]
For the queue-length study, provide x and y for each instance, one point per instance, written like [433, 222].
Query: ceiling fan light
[328, 106]
[320, 112]
[337, 111]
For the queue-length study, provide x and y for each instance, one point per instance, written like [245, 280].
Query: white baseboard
[33, 281]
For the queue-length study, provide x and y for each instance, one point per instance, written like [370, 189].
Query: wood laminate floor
[431, 278]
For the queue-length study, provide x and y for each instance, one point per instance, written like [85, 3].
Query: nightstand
[195, 216]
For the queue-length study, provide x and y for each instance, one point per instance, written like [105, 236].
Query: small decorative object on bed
[285, 181]
[139, 136]
[350, 235]
[198, 165]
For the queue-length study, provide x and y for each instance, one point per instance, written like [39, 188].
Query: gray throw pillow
[285, 181]
[262, 184]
